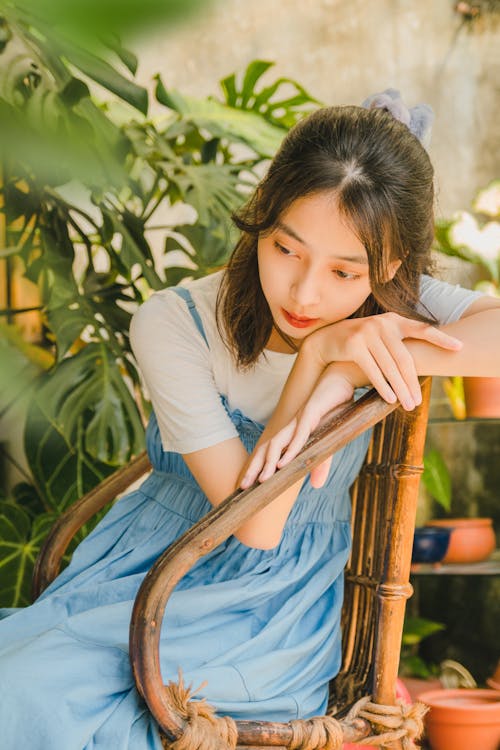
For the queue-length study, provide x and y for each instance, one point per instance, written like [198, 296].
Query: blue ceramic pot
[430, 544]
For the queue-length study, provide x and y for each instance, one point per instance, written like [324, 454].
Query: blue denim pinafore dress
[262, 627]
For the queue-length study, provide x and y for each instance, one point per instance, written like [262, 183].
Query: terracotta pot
[494, 680]
[482, 397]
[415, 686]
[463, 719]
[471, 540]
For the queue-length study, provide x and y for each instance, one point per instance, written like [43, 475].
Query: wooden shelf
[490, 567]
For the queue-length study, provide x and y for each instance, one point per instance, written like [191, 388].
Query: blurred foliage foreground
[89, 213]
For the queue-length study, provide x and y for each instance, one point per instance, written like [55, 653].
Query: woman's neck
[278, 343]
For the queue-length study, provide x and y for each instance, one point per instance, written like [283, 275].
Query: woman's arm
[220, 468]
[479, 355]
[479, 332]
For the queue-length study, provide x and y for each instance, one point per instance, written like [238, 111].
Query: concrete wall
[343, 51]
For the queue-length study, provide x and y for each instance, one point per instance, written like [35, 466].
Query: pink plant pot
[463, 719]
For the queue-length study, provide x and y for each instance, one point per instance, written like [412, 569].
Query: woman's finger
[275, 448]
[302, 432]
[254, 466]
[391, 372]
[405, 364]
[374, 374]
[431, 334]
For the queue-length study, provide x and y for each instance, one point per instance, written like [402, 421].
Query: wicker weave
[377, 576]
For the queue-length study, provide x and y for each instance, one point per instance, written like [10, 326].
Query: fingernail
[417, 398]
[408, 404]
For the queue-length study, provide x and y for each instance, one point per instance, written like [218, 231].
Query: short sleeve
[445, 302]
[175, 364]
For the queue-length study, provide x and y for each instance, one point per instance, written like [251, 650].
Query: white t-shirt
[184, 377]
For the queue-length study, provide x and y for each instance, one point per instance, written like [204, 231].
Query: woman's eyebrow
[360, 259]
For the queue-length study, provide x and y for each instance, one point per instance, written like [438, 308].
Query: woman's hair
[382, 178]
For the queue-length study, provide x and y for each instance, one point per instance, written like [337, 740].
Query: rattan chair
[377, 585]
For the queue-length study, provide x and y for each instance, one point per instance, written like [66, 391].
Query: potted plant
[474, 237]
[463, 718]
[416, 674]
[471, 539]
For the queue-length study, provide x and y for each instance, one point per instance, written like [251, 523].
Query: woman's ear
[393, 268]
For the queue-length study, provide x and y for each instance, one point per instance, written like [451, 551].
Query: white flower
[488, 200]
[484, 242]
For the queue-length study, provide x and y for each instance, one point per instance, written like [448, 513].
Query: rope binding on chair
[206, 731]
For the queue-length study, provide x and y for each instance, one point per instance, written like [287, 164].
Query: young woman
[325, 292]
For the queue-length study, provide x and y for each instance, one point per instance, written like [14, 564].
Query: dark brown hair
[382, 178]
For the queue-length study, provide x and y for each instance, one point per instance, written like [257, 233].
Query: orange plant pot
[482, 397]
[463, 719]
[471, 540]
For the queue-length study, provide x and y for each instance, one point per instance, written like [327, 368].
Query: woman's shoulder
[444, 301]
[167, 304]
[166, 317]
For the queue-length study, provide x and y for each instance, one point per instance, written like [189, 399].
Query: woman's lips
[298, 322]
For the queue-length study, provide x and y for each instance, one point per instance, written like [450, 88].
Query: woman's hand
[376, 345]
[333, 388]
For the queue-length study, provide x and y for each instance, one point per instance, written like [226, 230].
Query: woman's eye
[282, 249]
[345, 275]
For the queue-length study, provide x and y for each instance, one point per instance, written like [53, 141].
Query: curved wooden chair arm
[342, 425]
[49, 559]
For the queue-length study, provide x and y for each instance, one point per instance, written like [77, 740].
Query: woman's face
[313, 269]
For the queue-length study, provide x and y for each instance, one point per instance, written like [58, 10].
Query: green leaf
[134, 248]
[86, 21]
[87, 393]
[74, 91]
[255, 70]
[212, 189]
[20, 542]
[228, 86]
[125, 55]
[5, 34]
[103, 73]
[203, 246]
[436, 478]
[281, 112]
[225, 122]
[415, 629]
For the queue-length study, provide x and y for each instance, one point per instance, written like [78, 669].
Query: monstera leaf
[82, 423]
[282, 110]
[20, 541]
[202, 247]
[224, 121]
[212, 189]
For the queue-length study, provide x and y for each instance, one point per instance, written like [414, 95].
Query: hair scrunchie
[418, 119]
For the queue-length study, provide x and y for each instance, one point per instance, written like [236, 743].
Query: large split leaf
[20, 541]
[212, 189]
[202, 247]
[82, 424]
[278, 108]
[224, 121]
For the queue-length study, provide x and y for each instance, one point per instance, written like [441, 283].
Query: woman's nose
[305, 290]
